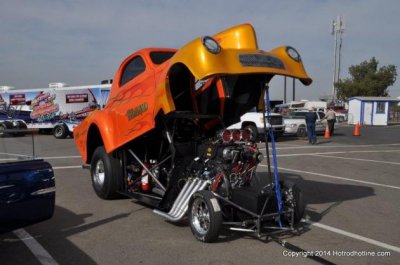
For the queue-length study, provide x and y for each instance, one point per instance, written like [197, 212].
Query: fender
[105, 126]
[236, 42]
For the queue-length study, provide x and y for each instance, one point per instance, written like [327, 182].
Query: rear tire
[205, 216]
[60, 131]
[2, 130]
[105, 172]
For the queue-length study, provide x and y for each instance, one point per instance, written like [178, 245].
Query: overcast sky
[83, 42]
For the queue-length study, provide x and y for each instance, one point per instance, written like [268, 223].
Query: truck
[163, 136]
[27, 186]
[253, 121]
[57, 108]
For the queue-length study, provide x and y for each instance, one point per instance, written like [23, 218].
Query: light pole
[337, 31]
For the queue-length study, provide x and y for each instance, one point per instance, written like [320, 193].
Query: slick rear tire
[105, 172]
[205, 216]
[60, 131]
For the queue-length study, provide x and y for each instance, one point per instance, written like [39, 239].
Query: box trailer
[59, 104]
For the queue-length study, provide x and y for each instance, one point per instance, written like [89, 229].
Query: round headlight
[211, 45]
[293, 54]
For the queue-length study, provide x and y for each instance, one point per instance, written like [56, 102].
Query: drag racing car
[162, 136]
[14, 127]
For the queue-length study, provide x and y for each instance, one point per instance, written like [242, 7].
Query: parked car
[27, 188]
[295, 123]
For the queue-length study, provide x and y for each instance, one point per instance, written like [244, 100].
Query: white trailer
[44, 108]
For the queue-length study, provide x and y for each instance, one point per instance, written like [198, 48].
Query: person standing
[311, 117]
[330, 117]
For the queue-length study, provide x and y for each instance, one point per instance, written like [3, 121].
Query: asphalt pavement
[351, 186]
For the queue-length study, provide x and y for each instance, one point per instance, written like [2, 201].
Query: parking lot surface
[351, 186]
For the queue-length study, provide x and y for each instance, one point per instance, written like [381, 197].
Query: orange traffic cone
[327, 134]
[356, 130]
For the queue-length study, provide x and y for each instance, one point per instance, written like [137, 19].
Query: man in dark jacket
[311, 118]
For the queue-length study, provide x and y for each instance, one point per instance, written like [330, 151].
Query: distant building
[374, 110]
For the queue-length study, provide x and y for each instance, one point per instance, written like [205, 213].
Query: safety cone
[327, 134]
[356, 130]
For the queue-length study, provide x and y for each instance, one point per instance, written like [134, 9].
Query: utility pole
[294, 89]
[284, 89]
[337, 32]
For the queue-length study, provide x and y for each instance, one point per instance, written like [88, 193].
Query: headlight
[293, 54]
[211, 45]
[291, 125]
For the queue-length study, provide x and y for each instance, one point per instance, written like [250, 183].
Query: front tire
[298, 201]
[253, 132]
[301, 132]
[22, 126]
[205, 216]
[105, 171]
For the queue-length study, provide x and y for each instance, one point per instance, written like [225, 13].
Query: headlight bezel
[293, 53]
[211, 45]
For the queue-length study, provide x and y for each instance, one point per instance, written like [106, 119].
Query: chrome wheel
[59, 131]
[200, 216]
[99, 174]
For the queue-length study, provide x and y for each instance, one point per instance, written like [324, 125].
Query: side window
[380, 107]
[135, 67]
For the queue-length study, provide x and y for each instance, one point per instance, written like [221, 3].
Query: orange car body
[133, 105]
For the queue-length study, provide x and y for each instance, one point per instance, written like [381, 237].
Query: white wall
[380, 118]
[354, 111]
[367, 113]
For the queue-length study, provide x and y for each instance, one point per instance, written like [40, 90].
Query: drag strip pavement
[37, 250]
[376, 149]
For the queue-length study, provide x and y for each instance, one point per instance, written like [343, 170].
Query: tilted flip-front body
[161, 136]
